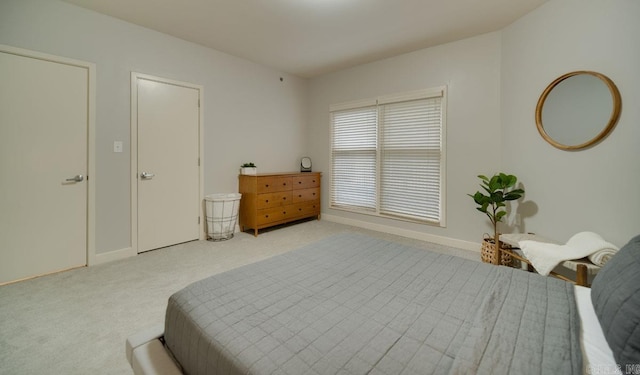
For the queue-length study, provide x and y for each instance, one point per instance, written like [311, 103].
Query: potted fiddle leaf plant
[248, 168]
[498, 189]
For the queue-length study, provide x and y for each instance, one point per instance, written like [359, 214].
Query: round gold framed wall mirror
[578, 110]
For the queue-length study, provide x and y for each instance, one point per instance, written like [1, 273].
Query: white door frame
[134, 151]
[91, 140]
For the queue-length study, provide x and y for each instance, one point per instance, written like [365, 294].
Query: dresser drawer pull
[284, 212]
[266, 201]
[284, 184]
[314, 193]
[299, 209]
[299, 195]
[266, 216]
[300, 182]
[284, 198]
[267, 185]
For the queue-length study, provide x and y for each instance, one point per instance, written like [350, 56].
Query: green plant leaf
[518, 192]
[494, 183]
[511, 196]
[475, 197]
[481, 198]
[497, 196]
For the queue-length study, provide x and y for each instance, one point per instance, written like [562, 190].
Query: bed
[353, 304]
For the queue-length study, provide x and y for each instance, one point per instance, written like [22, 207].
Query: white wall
[249, 114]
[471, 70]
[494, 81]
[595, 189]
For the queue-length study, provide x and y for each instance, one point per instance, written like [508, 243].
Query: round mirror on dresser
[578, 110]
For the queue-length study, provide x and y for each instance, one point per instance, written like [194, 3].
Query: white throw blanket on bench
[546, 256]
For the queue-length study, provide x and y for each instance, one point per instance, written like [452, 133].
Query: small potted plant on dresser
[500, 188]
[248, 168]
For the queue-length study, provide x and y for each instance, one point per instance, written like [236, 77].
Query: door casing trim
[135, 77]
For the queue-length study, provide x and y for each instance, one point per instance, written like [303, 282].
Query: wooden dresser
[277, 198]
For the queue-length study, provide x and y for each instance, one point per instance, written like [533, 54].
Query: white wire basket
[222, 215]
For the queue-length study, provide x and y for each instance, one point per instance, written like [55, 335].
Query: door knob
[78, 178]
[146, 175]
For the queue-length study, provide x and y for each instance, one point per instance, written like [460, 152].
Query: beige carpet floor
[76, 322]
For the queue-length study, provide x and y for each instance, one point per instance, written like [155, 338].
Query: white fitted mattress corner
[597, 356]
[148, 356]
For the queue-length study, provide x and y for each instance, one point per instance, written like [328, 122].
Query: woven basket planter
[488, 253]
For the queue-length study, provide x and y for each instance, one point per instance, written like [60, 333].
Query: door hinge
[198, 162]
[198, 219]
[198, 102]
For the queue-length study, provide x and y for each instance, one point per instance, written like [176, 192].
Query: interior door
[168, 164]
[43, 166]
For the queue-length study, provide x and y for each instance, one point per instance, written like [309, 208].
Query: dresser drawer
[306, 195]
[268, 200]
[271, 215]
[305, 209]
[303, 182]
[273, 184]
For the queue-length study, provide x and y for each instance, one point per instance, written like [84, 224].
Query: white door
[43, 166]
[168, 178]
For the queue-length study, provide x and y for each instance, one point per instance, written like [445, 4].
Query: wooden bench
[583, 268]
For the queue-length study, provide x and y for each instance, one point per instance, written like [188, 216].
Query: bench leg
[530, 268]
[581, 275]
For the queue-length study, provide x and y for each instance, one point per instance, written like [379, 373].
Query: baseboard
[446, 241]
[110, 256]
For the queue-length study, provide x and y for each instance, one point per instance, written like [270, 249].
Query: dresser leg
[255, 232]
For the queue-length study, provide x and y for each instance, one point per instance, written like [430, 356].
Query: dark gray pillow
[615, 295]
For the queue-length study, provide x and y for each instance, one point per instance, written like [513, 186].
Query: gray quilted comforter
[352, 304]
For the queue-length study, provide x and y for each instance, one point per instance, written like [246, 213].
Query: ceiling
[312, 37]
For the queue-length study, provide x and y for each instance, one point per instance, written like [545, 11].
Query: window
[387, 156]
